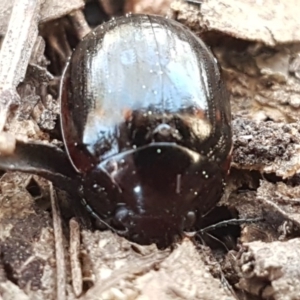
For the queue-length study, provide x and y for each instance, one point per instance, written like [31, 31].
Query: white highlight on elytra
[178, 183]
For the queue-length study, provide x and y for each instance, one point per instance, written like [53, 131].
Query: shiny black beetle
[146, 125]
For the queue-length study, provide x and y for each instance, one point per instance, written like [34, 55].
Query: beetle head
[157, 191]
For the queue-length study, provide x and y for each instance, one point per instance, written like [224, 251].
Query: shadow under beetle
[146, 124]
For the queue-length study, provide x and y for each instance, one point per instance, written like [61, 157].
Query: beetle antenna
[98, 219]
[214, 238]
[95, 216]
[229, 222]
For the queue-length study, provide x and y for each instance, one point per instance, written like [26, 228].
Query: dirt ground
[47, 254]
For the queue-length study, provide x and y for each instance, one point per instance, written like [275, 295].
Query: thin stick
[59, 248]
[74, 257]
[79, 22]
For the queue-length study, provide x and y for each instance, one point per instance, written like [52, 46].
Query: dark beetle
[146, 120]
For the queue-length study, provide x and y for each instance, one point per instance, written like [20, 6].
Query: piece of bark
[159, 7]
[271, 270]
[50, 10]
[276, 22]
[7, 143]
[260, 81]
[124, 270]
[260, 61]
[283, 200]
[27, 243]
[10, 291]
[15, 52]
[267, 147]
